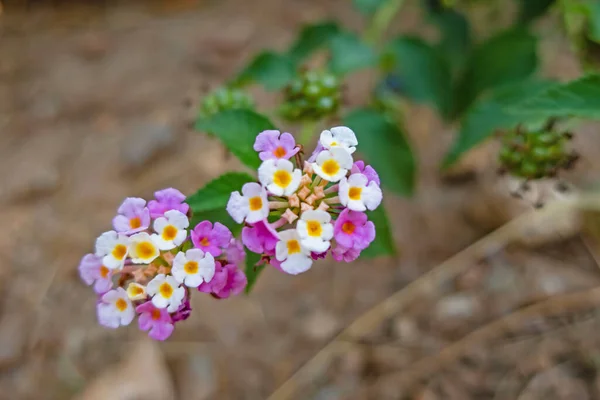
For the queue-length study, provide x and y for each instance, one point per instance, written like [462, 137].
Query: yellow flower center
[314, 228]
[205, 242]
[330, 167]
[121, 304]
[119, 251]
[190, 267]
[169, 233]
[334, 144]
[135, 290]
[354, 193]
[165, 290]
[256, 203]
[282, 178]
[145, 250]
[279, 152]
[155, 314]
[135, 222]
[348, 227]
[293, 246]
[104, 271]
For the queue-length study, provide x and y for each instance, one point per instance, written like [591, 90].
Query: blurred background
[96, 101]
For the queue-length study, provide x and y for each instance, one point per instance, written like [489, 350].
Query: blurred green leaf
[424, 74]
[311, 38]
[349, 53]
[507, 58]
[252, 270]
[237, 129]
[270, 69]
[488, 115]
[383, 245]
[385, 147]
[578, 98]
[215, 193]
[532, 9]
[455, 42]
[367, 7]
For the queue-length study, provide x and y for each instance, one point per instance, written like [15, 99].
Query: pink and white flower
[211, 239]
[294, 258]
[92, 271]
[358, 194]
[166, 292]
[279, 177]
[115, 309]
[133, 216]
[113, 247]
[333, 164]
[193, 267]
[339, 136]
[315, 230]
[157, 321]
[273, 145]
[166, 200]
[170, 230]
[250, 206]
[142, 248]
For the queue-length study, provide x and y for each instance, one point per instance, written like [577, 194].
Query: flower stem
[332, 189]
[279, 223]
[381, 19]
[274, 205]
[332, 200]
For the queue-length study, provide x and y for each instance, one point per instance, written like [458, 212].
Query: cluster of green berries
[225, 98]
[311, 96]
[536, 154]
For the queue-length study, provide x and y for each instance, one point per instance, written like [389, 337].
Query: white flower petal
[206, 267]
[159, 224]
[237, 207]
[296, 264]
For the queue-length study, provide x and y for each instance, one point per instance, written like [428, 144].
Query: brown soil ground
[93, 109]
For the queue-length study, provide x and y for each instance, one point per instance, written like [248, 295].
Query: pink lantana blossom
[155, 320]
[368, 171]
[235, 252]
[352, 230]
[228, 280]
[92, 271]
[133, 216]
[166, 200]
[341, 253]
[274, 145]
[260, 238]
[184, 311]
[211, 239]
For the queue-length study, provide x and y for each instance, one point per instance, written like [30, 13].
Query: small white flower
[170, 230]
[252, 205]
[113, 248]
[315, 230]
[295, 257]
[165, 292]
[279, 176]
[135, 291]
[340, 136]
[142, 248]
[333, 164]
[357, 195]
[193, 267]
[115, 309]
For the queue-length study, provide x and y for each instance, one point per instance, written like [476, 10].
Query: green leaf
[383, 244]
[424, 74]
[488, 115]
[532, 9]
[455, 42]
[385, 147]
[215, 194]
[237, 129]
[349, 54]
[312, 38]
[270, 69]
[367, 7]
[252, 270]
[507, 58]
[578, 98]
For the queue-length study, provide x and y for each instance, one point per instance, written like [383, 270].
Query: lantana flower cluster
[300, 210]
[151, 260]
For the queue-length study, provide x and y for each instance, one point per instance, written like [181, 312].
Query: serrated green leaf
[311, 39]
[349, 54]
[488, 115]
[215, 194]
[367, 7]
[424, 74]
[270, 69]
[252, 270]
[578, 98]
[384, 244]
[506, 58]
[237, 129]
[529, 10]
[385, 147]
